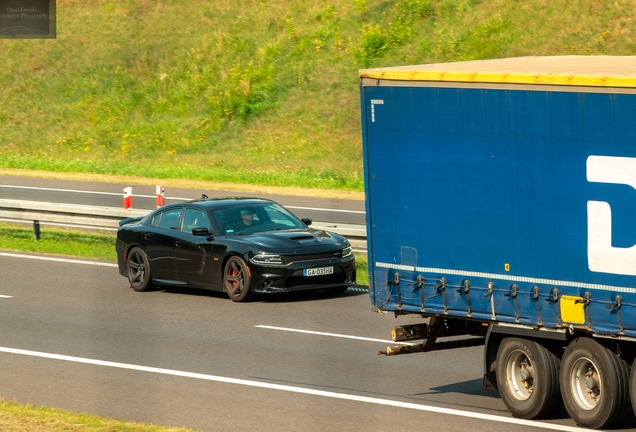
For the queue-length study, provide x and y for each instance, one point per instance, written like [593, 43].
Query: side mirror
[203, 232]
[306, 221]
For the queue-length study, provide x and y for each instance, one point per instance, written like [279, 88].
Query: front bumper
[277, 279]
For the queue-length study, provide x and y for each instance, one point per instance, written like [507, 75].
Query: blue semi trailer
[501, 205]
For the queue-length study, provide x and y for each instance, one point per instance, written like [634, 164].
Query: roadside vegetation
[251, 92]
[27, 418]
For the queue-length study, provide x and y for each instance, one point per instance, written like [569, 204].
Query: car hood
[295, 241]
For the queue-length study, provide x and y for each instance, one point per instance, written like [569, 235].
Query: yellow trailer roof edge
[498, 77]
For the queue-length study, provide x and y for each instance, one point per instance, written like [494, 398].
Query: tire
[594, 384]
[236, 280]
[138, 270]
[632, 386]
[528, 379]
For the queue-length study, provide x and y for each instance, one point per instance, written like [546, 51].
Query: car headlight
[267, 259]
[347, 252]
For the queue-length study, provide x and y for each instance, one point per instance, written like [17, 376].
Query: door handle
[177, 243]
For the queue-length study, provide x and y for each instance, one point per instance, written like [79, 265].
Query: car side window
[168, 219]
[195, 218]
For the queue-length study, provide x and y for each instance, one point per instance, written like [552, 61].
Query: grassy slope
[249, 91]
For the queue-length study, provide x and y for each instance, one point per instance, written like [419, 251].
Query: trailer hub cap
[585, 383]
[519, 375]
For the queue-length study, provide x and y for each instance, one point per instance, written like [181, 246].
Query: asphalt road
[111, 195]
[76, 337]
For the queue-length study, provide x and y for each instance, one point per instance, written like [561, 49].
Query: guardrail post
[36, 230]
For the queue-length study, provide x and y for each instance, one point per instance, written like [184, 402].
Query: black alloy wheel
[236, 280]
[138, 270]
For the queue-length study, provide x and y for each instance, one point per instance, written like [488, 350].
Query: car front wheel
[236, 280]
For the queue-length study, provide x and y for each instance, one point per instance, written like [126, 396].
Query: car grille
[288, 259]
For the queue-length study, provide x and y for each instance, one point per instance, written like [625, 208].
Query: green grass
[58, 241]
[251, 92]
[28, 418]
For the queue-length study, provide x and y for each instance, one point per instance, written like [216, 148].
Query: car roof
[214, 203]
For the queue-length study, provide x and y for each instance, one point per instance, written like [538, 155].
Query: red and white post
[161, 196]
[128, 198]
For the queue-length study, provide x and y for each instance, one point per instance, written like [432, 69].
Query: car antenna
[204, 196]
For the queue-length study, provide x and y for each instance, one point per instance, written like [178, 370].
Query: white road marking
[292, 389]
[70, 190]
[332, 335]
[5, 296]
[64, 260]
[154, 196]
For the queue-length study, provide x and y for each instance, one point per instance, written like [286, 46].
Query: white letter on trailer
[601, 256]
[375, 102]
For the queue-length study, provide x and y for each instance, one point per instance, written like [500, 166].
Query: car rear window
[168, 219]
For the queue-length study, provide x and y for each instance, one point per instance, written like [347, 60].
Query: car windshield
[251, 218]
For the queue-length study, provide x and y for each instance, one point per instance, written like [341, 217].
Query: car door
[193, 253]
[158, 243]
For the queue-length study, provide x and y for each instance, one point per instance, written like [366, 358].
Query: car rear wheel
[236, 280]
[138, 270]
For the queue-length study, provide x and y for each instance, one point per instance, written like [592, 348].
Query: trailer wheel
[632, 386]
[528, 379]
[594, 384]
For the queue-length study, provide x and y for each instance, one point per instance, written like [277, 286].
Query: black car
[241, 246]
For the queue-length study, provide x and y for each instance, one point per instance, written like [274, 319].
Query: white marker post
[128, 198]
[161, 196]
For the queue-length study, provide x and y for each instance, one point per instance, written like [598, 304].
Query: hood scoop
[302, 237]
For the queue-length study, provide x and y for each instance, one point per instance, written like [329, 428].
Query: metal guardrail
[109, 217]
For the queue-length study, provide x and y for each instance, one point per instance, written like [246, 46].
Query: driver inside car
[247, 219]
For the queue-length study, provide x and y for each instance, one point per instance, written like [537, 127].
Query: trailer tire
[632, 386]
[594, 384]
[528, 379]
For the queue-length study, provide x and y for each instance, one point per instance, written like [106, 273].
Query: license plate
[318, 271]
